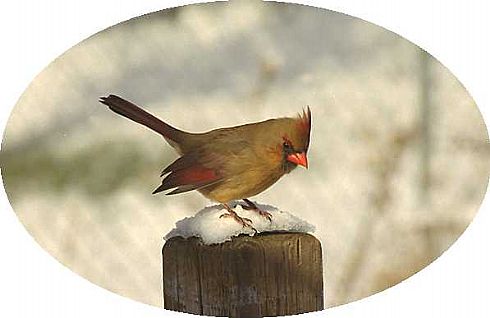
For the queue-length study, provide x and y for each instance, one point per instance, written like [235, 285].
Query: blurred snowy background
[399, 158]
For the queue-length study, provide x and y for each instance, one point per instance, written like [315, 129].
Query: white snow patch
[212, 229]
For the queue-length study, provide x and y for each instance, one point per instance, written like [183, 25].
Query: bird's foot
[245, 222]
[251, 206]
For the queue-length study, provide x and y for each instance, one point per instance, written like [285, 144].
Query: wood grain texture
[270, 274]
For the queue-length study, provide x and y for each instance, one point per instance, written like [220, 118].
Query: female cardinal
[231, 163]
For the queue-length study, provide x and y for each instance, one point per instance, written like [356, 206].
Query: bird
[227, 164]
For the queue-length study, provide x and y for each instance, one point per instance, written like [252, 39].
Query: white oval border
[33, 33]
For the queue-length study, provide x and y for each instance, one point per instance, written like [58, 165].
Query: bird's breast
[242, 185]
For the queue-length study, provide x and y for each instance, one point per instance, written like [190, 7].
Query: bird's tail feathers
[135, 113]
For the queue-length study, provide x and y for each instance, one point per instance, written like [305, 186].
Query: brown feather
[135, 113]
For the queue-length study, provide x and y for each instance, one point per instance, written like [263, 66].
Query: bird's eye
[287, 145]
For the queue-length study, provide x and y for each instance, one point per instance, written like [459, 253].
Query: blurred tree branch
[425, 102]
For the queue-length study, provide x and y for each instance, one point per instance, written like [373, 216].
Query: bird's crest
[304, 125]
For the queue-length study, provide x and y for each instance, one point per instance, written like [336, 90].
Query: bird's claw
[245, 222]
[263, 213]
[266, 214]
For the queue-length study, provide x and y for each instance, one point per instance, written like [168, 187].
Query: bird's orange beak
[298, 158]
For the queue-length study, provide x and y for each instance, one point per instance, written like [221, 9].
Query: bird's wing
[206, 163]
[187, 173]
[188, 179]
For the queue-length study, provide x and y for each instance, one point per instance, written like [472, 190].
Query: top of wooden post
[269, 274]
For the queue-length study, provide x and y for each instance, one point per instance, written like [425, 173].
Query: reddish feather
[304, 125]
[187, 179]
[305, 120]
[186, 161]
[194, 175]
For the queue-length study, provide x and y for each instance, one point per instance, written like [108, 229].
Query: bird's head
[295, 140]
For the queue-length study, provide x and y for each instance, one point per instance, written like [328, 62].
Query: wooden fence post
[270, 274]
